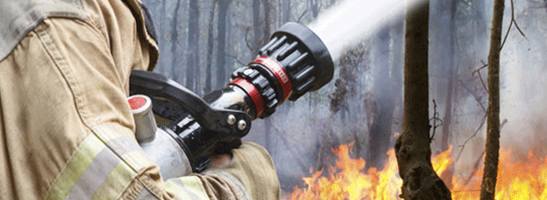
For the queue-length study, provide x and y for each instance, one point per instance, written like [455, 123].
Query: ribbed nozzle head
[293, 62]
[303, 56]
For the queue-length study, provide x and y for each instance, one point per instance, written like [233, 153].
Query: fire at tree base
[518, 178]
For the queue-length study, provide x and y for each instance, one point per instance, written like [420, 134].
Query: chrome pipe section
[165, 152]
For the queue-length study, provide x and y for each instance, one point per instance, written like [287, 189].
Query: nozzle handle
[157, 86]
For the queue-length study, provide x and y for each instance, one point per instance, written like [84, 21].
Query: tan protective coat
[63, 88]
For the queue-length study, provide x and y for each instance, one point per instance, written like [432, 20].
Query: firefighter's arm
[88, 74]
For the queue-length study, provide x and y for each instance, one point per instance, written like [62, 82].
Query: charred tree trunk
[221, 48]
[488, 185]
[210, 46]
[412, 149]
[192, 55]
[380, 130]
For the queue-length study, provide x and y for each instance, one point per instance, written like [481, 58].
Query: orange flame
[346, 180]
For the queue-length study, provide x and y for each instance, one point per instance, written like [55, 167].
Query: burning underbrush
[518, 178]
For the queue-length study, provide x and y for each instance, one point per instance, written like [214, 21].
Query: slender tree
[221, 48]
[447, 119]
[315, 7]
[192, 54]
[210, 46]
[174, 41]
[412, 148]
[256, 27]
[267, 22]
[380, 130]
[286, 4]
[488, 185]
[263, 39]
[397, 37]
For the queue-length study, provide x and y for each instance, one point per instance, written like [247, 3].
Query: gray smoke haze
[300, 128]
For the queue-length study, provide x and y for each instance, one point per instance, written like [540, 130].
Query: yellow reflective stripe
[116, 182]
[188, 187]
[102, 167]
[75, 167]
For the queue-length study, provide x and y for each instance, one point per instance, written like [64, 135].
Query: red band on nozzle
[251, 90]
[279, 72]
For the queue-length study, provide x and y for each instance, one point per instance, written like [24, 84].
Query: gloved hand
[252, 166]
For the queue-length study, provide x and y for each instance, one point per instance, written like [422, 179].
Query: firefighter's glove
[253, 167]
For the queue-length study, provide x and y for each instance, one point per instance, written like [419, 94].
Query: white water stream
[350, 21]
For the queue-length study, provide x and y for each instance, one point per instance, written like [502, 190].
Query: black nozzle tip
[324, 62]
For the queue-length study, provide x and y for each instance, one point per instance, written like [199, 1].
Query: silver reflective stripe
[191, 194]
[123, 145]
[94, 175]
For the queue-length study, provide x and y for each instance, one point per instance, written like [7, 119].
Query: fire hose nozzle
[294, 62]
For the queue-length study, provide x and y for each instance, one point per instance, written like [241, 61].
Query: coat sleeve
[66, 127]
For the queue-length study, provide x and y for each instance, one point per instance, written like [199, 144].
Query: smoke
[350, 21]
[523, 89]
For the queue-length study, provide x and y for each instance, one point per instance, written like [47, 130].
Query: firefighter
[66, 130]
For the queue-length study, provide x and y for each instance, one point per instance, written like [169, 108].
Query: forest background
[202, 42]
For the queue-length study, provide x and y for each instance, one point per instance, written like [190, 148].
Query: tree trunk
[265, 35]
[221, 48]
[174, 41]
[210, 46]
[397, 37]
[447, 119]
[192, 55]
[267, 22]
[488, 185]
[450, 85]
[315, 7]
[256, 27]
[380, 130]
[286, 11]
[161, 32]
[412, 149]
